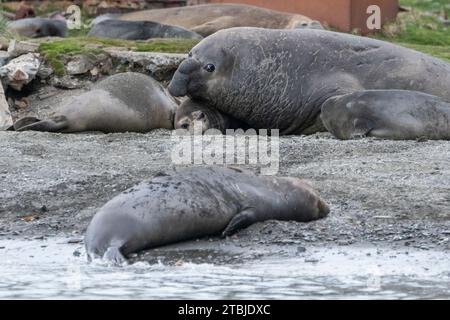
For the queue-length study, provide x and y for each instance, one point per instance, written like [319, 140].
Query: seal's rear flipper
[55, 124]
[113, 255]
[241, 220]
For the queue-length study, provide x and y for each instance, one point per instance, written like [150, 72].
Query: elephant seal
[193, 203]
[210, 18]
[191, 111]
[279, 79]
[387, 114]
[138, 30]
[123, 102]
[38, 27]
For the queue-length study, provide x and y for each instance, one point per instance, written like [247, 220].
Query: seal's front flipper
[55, 124]
[24, 122]
[242, 220]
[113, 255]
[362, 128]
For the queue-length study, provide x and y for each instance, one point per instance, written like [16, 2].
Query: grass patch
[53, 51]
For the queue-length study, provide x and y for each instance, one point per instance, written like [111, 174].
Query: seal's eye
[185, 126]
[210, 67]
[190, 54]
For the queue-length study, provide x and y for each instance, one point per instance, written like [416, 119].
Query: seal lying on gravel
[210, 18]
[197, 202]
[38, 27]
[123, 102]
[139, 30]
[279, 79]
[388, 114]
[191, 111]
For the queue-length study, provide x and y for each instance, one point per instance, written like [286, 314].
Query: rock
[4, 58]
[80, 65]
[66, 82]
[18, 48]
[21, 104]
[161, 66]
[5, 115]
[20, 71]
[44, 72]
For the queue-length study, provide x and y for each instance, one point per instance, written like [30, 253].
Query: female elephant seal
[189, 112]
[123, 102]
[38, 27]
[389, 114]
[193, 203]
[139, 30]
[279, 79]
[210, 18]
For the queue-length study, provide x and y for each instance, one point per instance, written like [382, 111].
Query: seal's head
[207, 65]
[303, 199]
[189, 114]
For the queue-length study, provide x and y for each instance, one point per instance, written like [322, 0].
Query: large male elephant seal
[123, 102]
[190, 112]
[279, 79]
[196, 202]
[388, 114]
[38, 27]
[139, 30]
[210, 18]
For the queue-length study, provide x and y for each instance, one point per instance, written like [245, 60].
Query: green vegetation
[53, 51]
[420, 28]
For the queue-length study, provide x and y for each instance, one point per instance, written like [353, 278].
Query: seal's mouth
[178, 87]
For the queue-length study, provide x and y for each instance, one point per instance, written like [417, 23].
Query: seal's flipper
[113, 255]
[241, 220]
[362, 128]
[24, 122]
[55, 124]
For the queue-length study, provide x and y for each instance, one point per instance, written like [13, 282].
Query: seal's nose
[178, 87]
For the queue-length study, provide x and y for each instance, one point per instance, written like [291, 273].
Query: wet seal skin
[387, 114]
[210, 18]
[139, 30]
[280, 79]
[38, 27]
[193, 203]
[189, 112]
[123, 102]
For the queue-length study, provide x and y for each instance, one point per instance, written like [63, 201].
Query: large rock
[20, 71]
[5, 116]
[160, 66]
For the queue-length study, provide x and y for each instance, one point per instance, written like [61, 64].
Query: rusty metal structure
[344, 15]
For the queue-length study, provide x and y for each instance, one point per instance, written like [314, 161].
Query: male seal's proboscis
[280, 79]
[193, 203]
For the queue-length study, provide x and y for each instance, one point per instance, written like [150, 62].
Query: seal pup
[190, 112]
[138, 30]
[123, 102]
[279, 79]
[387, 114]
[210, 18]
[196, 202]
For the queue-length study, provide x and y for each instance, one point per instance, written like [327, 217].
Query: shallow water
[54, 269]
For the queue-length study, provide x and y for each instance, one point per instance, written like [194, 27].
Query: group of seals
[123, 102]
[281, 79]
[210, 18]
[193, 203]
[138, 30]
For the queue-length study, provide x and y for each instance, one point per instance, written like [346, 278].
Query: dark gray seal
[189, 112]
[387, 114]
[193, 203]
[38, 27]
[139, 30]
[123, 102]
[279, 79]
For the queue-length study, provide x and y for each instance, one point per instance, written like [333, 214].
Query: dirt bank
[380, 192]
